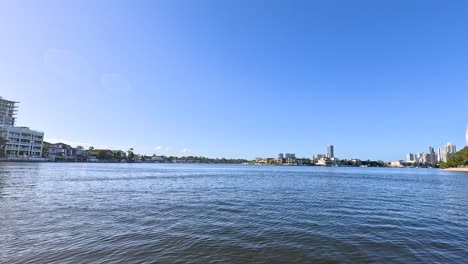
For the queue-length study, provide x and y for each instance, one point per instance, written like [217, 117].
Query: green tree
[457, 159]
[130, 154]
[45, 150]
[103, 155]
[116, 155]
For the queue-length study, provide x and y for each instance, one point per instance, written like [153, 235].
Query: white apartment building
[449, 150]
[410, 158]
[8, 111]
[19, 142]
[466, 136]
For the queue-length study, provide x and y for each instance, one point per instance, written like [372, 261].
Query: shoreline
[457, 169]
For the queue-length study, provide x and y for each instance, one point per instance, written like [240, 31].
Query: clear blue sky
[377, 79]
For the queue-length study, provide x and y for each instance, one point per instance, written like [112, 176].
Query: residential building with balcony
[61, 152]
[8, 110]
[21, 142]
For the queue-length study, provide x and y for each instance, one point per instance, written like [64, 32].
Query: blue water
[172, 213]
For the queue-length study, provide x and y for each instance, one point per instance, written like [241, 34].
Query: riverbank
[457, 169]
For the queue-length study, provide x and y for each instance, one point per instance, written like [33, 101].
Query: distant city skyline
[241, 79]
[442, 155]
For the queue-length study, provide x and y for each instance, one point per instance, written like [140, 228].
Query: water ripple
[147, 213]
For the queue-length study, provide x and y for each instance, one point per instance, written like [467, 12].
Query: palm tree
[45, 150]
[131, 155]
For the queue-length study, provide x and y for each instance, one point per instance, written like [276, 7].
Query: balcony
[11, 147]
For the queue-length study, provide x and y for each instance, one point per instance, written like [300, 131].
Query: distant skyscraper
[431, 156]
[449, 150]
[410, 157]
[330, 151]
[317, 156]
[280, 156]
[440, 155]
[466, 135]
[421, 157]
[427, 158]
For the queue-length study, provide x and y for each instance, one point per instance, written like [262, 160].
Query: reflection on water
[81, 213]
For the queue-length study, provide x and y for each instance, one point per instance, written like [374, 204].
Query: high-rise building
[449, 150]
[431, 156]
[466, 136]
[410, 157]
[280, 156]
[440, 155]
[420, 157]
[20, 142]
[317, 156]
[8, 111]
[330, 151]
[426, 158]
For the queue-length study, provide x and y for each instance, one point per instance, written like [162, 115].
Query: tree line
[457, 159]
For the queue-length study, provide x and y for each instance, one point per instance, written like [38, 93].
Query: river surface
[173, 213]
